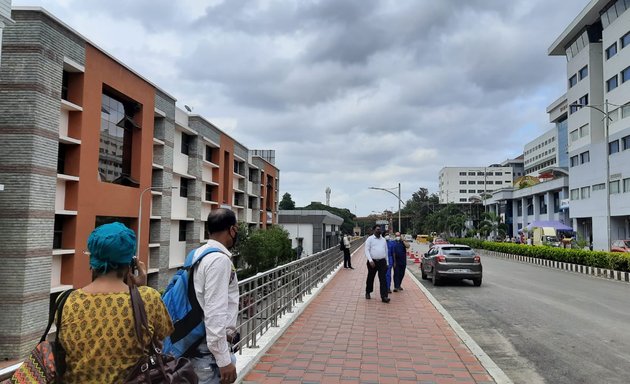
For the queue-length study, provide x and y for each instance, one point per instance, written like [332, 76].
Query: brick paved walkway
[343, 338]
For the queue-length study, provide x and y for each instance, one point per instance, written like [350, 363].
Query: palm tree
[492, 224]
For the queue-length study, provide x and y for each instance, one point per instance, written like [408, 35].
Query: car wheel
[436, 279]
[477, 282]
[423, 274]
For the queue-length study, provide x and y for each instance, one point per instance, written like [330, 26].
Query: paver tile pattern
[342, 337]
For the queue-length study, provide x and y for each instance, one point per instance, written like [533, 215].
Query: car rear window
[458, 250]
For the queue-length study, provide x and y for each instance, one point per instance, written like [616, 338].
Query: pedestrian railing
[268, 296]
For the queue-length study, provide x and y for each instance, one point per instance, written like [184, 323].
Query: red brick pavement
[343, 338]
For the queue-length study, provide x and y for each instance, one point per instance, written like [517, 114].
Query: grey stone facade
[30, 92]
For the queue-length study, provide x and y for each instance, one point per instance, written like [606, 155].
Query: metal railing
[267, 297]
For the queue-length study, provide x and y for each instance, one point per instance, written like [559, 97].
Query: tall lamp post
[140, 214]
[397, 196]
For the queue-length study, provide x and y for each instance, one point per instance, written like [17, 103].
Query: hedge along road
[542, 325]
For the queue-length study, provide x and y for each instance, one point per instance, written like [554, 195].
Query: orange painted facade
[91, 197]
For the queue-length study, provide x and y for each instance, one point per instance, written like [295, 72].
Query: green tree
[264, 249]
[348, 217]
[492, 224]
[287, 202]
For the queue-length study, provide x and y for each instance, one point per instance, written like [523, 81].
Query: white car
[408, 238]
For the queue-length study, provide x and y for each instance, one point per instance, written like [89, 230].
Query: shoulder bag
[46, 362]
[155, 367]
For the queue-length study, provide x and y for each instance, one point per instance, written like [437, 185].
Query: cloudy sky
[350, 93]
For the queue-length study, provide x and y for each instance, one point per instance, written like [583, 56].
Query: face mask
[234, 239]
[398, 238]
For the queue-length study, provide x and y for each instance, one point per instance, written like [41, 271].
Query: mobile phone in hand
[133, 265]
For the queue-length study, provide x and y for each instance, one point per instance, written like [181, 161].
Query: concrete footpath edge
[497, 373]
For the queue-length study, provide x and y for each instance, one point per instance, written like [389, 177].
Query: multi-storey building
[549, 150]
[596, 45]
[5, 18]
[461, 185]
[85, 140]
[546, 200]
[517, 165]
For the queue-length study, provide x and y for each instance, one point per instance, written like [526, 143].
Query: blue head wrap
[111, 246]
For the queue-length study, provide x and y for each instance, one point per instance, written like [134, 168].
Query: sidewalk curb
[497, 373]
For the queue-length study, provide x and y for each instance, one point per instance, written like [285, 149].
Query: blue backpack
[183, 307]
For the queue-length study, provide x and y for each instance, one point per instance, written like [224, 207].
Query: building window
[575, 194]
[519, 208]
[556, 202]
[182, 230]
[585, 157]
[613, 147]
[479, 173]
[183, 187]
[574, 135]
[574, 161]
[471, 191]
[185, 148]
[462, 200]
[599, 187]
[542, 205]
[471, 173]
[614, 187]
[626, 185]
[582, 73]
[471, 182]
[611, 51]
[572, 81]
[584, 130]
[210, 151]
[498, 173]
[585, 192]
[462, 173]
[625, 40]
[611, 83]
[462, 191]
[625, 75]
[530, 206]
[583, 100]
[490, 182]
[625, 142]
[498, 182]
[462, 181]
[117, 131]
[480, 191]
[480, 182]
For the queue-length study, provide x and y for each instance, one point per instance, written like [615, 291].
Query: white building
[461, 185]
[596, 45]
[517, 164]
[314, 231]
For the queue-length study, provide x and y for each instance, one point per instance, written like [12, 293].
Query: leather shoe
[395, 289]
[351, 267]
[385, 299]
[367, 296]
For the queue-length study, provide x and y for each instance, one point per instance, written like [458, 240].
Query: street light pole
[397, 196]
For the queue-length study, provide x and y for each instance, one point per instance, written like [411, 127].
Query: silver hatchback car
[452, 261]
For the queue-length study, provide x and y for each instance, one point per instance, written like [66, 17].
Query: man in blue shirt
[399, 253]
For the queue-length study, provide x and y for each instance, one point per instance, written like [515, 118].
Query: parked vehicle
[422, 239]
[451, 261]
[408, 238]
[620, 246]
[545, 236]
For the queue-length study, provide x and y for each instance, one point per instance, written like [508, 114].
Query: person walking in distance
[400, 261]
[376, 255]
[347, 261]
[216, 289]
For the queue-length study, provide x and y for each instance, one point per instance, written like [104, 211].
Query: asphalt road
[542, 325]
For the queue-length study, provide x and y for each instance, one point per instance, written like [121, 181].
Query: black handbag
[155, 367]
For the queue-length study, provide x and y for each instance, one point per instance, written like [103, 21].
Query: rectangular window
[625, 142]
[613, 147]
[599, 187]
[489, 173]
[462, 173]
[185, 147]
[519, 208]
[462, 181]
[585, 130]
[471, 173]
[585, 192]
[182, 230]
[490, 182]
[582, 73]
[611, 51]
[530, 206]
[479, 173]
[210, 151]
[183, 187]
[625, 40]
[480, 182]
[462, 200]
[574, 135]
[611, 83]
[498, 173]
[625, 111]
[585, 157]
[575, 161]
[575, 194]
[572, 81]
[471, 191]
[625, 75]
[614, 187]
[626, 185]
[498, 182]
[480, 191]
[462, 191]
[583, 100]
[116, 141]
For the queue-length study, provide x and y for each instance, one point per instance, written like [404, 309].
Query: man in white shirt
[376, 255]
[216, 288]
[347, 260]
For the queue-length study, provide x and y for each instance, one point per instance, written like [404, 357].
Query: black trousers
[380, 267]
[347, 262]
